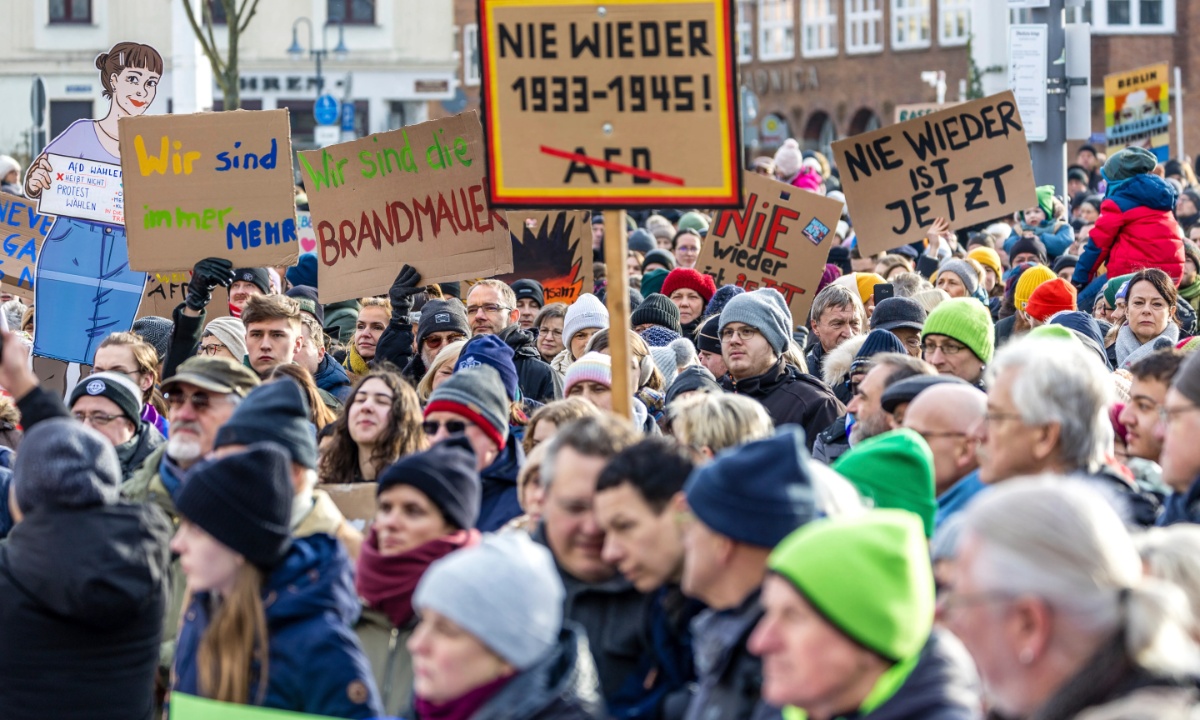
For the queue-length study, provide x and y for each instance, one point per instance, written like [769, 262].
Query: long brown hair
[318, 412]
[235, 638]
[401, 436]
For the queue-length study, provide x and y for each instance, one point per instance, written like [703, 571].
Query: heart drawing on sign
[308, 244]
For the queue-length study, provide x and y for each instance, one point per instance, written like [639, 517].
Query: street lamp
[297, 53]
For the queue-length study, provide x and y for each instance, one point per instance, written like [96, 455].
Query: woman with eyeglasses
[381, 424]
[549, 324]
[425, 507]
[111, 404]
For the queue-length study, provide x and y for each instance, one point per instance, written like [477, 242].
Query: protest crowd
[964, 486]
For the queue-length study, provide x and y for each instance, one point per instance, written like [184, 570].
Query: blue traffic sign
[325, 111]
[348, 117]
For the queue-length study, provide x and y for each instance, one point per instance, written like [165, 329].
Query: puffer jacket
[499, 502]
[316, 664]
[1136, 229]
[81, 613]
[562, 686]
[791, 397]
[333, 379]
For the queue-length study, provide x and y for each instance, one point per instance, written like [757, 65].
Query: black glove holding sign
[406, 285]
[395, 345]
[207, 275]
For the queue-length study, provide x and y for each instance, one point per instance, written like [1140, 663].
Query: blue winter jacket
[499, 503]
[333, 379]
[1056, 239]
[316, 664]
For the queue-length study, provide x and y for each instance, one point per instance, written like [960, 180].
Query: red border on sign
[732, 200]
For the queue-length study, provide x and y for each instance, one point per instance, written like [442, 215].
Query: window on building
[470, 54]
[820, 134]
[352, 12]
[954, 22]
[910, 24]
[65, 112]
[818, 28]
[776, 30]
[217, 9]
[864, 26]
[745, 32]
[1133, 16]
[71, 11]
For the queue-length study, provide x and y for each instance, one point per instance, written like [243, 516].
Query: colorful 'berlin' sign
[610, 104]
[1137, 107]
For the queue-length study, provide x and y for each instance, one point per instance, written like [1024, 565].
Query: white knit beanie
[232, 334]
[586, 312]
[505, 591]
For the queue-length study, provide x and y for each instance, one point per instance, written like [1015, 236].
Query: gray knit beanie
[766, 311]
[231, 332]
[504, 591]
[476, 393]
[65, 464]
[964, 271]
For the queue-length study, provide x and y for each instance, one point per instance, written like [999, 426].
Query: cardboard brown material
[355, 500]
[23, 230]
[165, 290]
[553, 247]
[779, 239]
[610, 104]
[968, 164]
[209, 185]
[415, 195]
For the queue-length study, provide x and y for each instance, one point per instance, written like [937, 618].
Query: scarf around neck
[387, 583]
[1190, 292]
[1130, 349]
[462, 708]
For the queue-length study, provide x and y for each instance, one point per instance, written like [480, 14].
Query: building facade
[400, 58]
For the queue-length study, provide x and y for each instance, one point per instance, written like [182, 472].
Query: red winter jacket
[1136, 230]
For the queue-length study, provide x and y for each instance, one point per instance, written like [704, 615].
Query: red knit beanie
[689, 279]
[1050, 297]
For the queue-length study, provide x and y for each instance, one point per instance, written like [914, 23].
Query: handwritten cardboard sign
[610, 104]
[83, 189]
[23, 231]
[356, 501]
[967, 164]
[165, 290]
[209, 185]
[780, 239]
[415, 195]
[553, 247]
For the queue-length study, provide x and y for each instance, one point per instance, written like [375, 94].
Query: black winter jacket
[82, 593]
[536, 378]
[791, 397]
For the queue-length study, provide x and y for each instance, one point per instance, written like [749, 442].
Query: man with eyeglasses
[1047, 412]
[492, 310]
[111, 405]
[755, 329]
[958, 339]
[442, 322]
[945, 415]
[1179, 428]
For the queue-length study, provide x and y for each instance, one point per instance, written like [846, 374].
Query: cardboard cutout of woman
[84, 289]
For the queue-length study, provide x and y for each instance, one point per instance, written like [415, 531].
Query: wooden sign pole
[617, 291]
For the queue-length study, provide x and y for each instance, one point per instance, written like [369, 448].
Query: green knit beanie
[1058, 332]
[1045, 198]
[652, 282]
[1111, 288]
[868, 575]
[965, 320]
[1128, 162]
[694, 221]
[895, 470]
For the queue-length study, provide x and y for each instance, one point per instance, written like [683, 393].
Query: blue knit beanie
[757, 493]
[304, 272]
[724, 294]
[491, 350]
[878, 341]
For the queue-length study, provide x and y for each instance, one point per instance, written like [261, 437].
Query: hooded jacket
[333, 379]
[791, 397]
[316, 665]
[835, 372]
[499, 502]
[562, 686]
[81, 613]
[1136, 229]
[536, 378]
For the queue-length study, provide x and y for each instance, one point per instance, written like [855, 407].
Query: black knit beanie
[258, 276]
[276, 412]
[446, 474]
[708, 337]
[657, 309]
[243, 500]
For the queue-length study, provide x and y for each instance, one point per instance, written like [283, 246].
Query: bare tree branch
[210, 51]
[244, 17]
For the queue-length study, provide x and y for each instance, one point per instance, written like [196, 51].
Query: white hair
[1060, 540]
[1060, 382]
[835, 496]
[1173, 554]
